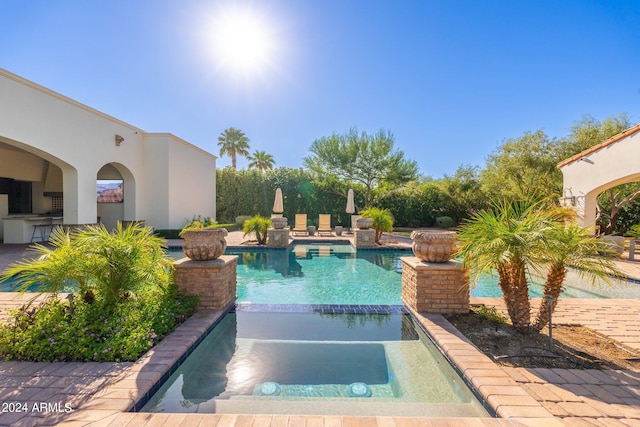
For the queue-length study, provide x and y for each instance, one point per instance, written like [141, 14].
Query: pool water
[338, 274]
[315, 362]
[319, 274]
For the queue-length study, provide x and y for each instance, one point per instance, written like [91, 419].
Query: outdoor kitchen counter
[20, 228]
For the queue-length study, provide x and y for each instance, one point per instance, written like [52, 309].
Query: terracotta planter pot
[364, 223]
[279, 223]
[433, 246]
[204, 245]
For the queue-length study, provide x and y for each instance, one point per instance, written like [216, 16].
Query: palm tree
[382, 220]
[518, 238]
[261, 160]
[573, 246]
[508, 239]
[233, 142]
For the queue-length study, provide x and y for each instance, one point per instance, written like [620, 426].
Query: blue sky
[450, 79]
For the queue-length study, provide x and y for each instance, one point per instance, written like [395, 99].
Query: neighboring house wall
[604, 166]
[61, 145]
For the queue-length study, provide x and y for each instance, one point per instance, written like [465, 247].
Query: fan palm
[233, 142]
[113, 265]
[261, 160]
[515, 239]
[509, 239]
[382, 220]
[571, 245]
[259, 226]
[53, 269]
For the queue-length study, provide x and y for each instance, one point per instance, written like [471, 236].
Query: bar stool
[43, 230]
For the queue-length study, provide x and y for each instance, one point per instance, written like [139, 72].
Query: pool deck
[101, 394]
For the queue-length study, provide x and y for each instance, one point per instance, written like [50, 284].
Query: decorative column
[205, 272]
[213, 281]
[364, 236]
[431, 281]
[278, 236]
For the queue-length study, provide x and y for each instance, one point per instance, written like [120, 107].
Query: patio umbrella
[350, 205]
[277, 203]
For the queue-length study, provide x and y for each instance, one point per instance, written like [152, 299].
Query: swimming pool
[318, 362]
[319, 274]
[338, 274]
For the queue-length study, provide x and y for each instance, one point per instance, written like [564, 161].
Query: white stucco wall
[80, 141]
[586, 175]
[172, 183]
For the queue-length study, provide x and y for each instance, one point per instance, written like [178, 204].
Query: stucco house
[54, 152]
[611, 163]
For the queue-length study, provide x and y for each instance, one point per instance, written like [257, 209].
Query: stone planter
[364, 223]
[279, 223]
[205, 244]
[338, 230]
[311, 230]
[433, 246]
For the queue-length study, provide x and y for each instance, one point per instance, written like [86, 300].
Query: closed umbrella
[351, 208]
[350, 204]
[277, 203]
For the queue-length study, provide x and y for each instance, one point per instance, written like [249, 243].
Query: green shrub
[257, 225]
[53, 331]
[491, 313]
[240, 220]
[382, 220]
[123, 298]
[168, 233]
[444, 221]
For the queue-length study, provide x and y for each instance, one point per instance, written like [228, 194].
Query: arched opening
[31, 190]
[115, 188]
[598, 169]
[610, 200]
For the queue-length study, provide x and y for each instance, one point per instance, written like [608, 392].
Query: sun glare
[242, 40]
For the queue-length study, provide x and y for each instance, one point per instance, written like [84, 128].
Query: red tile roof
[597, 147]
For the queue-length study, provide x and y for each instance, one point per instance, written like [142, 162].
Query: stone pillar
[213, 281]
[278, 237]
[364, 238]
[435, 287]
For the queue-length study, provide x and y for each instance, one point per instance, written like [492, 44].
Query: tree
[261, 160]
[354, 157]
[503, 239]
[586, 133]
[517, 238]
[257, 225]
[233, 142]
[465, 190]
[523, 168]
[571, 245]
[610, 205]
[382, 220]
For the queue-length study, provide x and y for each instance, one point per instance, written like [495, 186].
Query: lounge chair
[300, 225]
[300, 251]
[324, 224]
